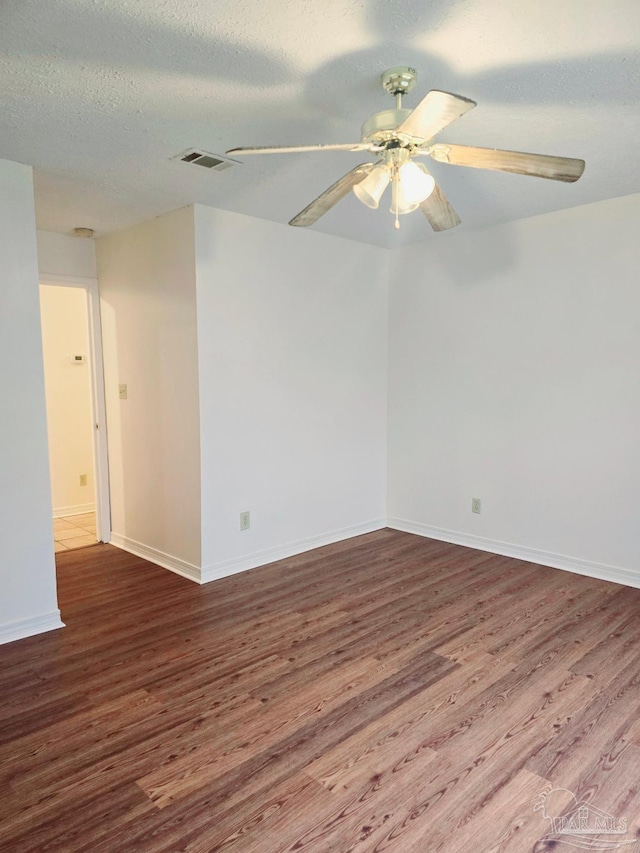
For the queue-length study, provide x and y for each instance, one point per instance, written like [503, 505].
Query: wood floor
[389, 693]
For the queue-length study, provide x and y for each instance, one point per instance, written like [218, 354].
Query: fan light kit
[397, 136]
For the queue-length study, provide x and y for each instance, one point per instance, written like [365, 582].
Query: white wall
[293, 350]
[60, 254]
[514, 377]
[65, 333]
[28, 603]
[148, 307]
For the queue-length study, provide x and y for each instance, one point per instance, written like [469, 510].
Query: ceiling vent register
[198, 157]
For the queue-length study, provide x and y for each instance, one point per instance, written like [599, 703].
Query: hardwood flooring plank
[295, 750]
[475, 769]
[79, 729]
[507, 626]
[511, 824]
[614, 652]
[130, 753]
[360, 815]
[611, 783]
[336, 768]
[604, 718]
[285, 803]
[63, 826]
[387, 693]
[269, 724]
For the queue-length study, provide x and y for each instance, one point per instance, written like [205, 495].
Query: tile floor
[74, 531]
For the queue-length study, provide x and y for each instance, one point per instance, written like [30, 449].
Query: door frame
[98, 401]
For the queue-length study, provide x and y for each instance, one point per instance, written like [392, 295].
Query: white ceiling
[98, 95]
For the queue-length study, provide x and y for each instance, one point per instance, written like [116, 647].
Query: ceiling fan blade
[332, 196]
[539, 165]
[439, 212]
[296, 149]
[434, 112]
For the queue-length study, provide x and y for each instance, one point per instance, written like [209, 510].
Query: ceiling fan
[398, 136]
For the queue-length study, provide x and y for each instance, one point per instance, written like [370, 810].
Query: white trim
[98, 402]
[576, 565]
[78, 509]
[22, 628]
[260, 558]
[165, 561]
[101, 449]
[241, 564]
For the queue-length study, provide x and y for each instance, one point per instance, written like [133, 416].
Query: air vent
[198, 157]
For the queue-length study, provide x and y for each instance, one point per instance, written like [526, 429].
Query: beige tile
[62, 524]
[80, 541]
[72, 533]
[81, 520]
[58, 546]
[90, 528]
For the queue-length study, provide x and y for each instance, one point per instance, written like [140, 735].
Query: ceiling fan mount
[397, 136]
[399, 80]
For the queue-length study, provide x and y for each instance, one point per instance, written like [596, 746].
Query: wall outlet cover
[245, 520]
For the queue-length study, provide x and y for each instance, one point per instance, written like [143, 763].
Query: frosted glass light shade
[399, 202]
[370, 190]
[417, 184]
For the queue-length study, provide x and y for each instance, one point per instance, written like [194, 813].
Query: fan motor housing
[380, 126]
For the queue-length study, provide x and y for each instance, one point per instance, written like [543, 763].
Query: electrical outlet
[83, 479]
[245, 520]
[476, 505]
[122, 392]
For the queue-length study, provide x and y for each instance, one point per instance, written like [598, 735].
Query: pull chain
[396, 224]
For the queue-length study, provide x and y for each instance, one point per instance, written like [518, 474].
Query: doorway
[74, 389]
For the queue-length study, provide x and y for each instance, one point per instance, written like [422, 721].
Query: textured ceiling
[98, 95]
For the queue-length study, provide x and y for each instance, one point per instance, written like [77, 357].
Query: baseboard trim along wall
[29, 627]
[224, 568]
[165, 561]
[576, 565]
[78, 509]
[291, 549]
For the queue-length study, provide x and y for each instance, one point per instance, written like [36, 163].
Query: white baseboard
[166, 561]
[225, 568]
[77, 509]
[241, 564]
[29, 627]
[576, 565]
